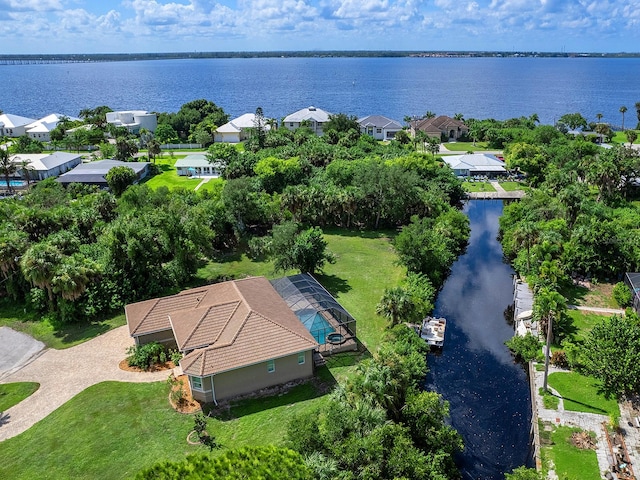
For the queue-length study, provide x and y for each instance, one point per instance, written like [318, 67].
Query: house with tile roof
[313, 117]
[237, 337]
[14, 125]
[440, 127]
[379, 127]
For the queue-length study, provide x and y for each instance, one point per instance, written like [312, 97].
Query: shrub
[622, 295]
[175, 356]
[526, 348]
[559, 359]
[143, 356]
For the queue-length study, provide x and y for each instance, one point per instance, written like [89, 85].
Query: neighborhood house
[379, 127]
[197, 164]
[440, 127]
[94, 173]
[133, 120]
[237, 337]
[476, 164]
[237, 130]
[38, 166]
[313, 117]
[41, 129]
[14, 125]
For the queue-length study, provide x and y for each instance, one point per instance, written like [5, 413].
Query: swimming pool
[13, 183]
[317, 325]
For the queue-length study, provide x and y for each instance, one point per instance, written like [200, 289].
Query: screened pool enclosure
[327, 321]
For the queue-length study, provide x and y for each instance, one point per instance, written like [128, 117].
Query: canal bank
[488, 393]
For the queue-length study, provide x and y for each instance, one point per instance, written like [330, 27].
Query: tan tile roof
[230, 324]
[437, 124]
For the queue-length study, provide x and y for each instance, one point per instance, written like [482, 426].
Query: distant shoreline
[17, 59]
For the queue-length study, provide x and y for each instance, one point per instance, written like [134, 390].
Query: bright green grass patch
[513, 186]
[581, 394]
[584, 322]
[169, 177]
[13, 393]
[215, 186]
[59, 336]
[113, 430]
[571, 463]
[621, 137]
[466, 146]
[549, 400]
[478, 186]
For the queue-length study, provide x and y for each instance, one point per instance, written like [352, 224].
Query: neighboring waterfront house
[238, 337]
[439, 127]
[94, 173]
[38, 166]
[133, 120]
[633, 282]
[379, 127]
[41, 129]
[14, 125]
[197, 164]
[314, 117]
[237, 130]
[476, 164]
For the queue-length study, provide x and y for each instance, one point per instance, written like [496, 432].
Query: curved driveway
[62, 374]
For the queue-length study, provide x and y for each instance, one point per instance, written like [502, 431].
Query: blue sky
[88, 26]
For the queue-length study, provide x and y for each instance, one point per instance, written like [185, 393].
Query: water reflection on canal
[488, 393]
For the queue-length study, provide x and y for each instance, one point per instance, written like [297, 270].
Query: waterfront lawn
[53, 334]
[582, 394]
[478, 186]
[571, 463]
[598, 295]
[583, 322]
[13, 393]
[621, 137]
[113, 430]
[550, 400]
[365, 266]
[513, 186]
[466, 146]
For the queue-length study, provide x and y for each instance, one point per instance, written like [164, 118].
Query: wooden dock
[514, 195]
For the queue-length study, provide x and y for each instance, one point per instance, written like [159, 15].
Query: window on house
[271, 366]
[196, 383]
[301, 358]
[379, 130]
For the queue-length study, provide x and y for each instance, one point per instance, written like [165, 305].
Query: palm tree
[623, 110]
[632, 136]
[25, 169]
[153, 148]
[548, 305]
[599, 116]
[525, 235]
[39, 264]
[637, 107]
[396, 304]
[429, 114]
[7, 167]
[74, 276]
[459, 117]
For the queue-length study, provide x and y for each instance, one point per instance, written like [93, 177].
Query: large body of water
[498, 88]
[488, 393]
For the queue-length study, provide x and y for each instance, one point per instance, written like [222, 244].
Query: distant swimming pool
[13, 183]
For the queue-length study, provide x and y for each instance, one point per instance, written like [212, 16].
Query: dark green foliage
[119, 178]
[144, 356]
[523, 473]
[265, 463]
[611, 353]
[380, 424]
[526, 348]
[622, 295]
[293, 248]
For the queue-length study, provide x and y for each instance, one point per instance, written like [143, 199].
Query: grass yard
[478, 186]
[584, 322]
[550, 401]
[466, 146]
[598, 295]
[169, 177]
[580, 394]
[621, 137]
[112, 430]
[13, 393]
[58, 336]
[513, 186]
[571, 463]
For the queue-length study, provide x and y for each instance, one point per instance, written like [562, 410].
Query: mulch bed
[187, 404]
[156, 367]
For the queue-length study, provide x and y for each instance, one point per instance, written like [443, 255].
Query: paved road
[16, 350]
[62, 374]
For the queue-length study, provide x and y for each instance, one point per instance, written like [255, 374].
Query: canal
[488, 393]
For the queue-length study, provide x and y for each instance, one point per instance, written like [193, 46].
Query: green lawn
[20, 318]
[584, 322]
[13, 393]
[512, 186]
[112, 430]
[466, 146]
[478, 186]
[169, 176]
[580, 394]
[621, 137]
[571, 463]
[550, 401]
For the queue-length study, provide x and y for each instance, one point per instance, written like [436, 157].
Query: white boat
[432, 331]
